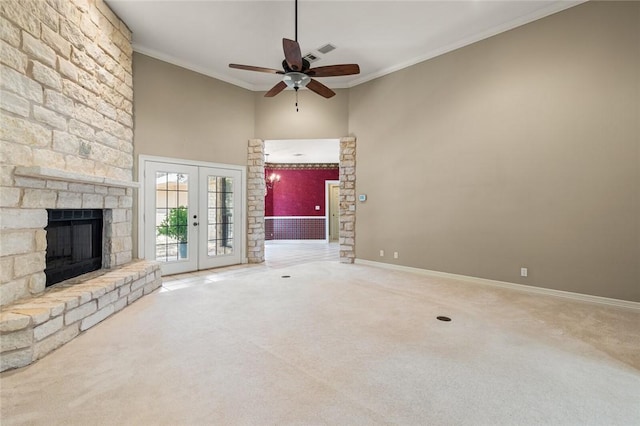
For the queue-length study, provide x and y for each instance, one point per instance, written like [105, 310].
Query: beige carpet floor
[338, 345]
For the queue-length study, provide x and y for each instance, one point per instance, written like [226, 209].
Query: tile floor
[278, 254]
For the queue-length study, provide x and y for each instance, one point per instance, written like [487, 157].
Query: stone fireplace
[24, 235]
[36, 319]
[66, 126]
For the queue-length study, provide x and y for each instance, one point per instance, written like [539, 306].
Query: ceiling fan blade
[275, 90]
[334, 70]
[320, 89]
[252, 68]
[292, 54]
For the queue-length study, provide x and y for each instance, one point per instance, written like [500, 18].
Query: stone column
[347, 200]
[255, 201]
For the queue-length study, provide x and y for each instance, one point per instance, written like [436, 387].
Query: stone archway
[255, 200]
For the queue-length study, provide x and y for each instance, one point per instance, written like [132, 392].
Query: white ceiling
[380, 36]
[302, 151]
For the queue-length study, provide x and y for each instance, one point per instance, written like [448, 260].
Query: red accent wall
[298, 192]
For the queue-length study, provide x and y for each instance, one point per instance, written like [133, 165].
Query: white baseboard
[503, 284]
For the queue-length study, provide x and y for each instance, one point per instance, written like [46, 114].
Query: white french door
[193, 215]
[220, 217]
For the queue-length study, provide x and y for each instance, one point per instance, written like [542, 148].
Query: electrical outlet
[524, 272]
[395, 254]
[381, 253]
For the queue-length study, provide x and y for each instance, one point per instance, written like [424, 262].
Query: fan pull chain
[296, 89]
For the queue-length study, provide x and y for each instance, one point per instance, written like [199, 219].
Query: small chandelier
[272, 179]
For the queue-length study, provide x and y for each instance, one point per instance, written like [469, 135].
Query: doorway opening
[256, 207]
[296, 175]
[297, 204]
[332, 196]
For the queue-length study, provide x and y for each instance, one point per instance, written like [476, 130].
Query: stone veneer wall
[66, 130]
[347, 200]
[255, 201]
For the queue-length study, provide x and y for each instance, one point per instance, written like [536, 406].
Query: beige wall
[518, 151]
[317, 118]
[186, 115]
[183, 114]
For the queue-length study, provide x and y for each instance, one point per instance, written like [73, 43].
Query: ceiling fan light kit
[297, 72]
[296, 80]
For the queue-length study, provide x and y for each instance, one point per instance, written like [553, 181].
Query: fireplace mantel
[40, 172]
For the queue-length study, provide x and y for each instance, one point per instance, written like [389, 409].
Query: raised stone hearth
[34, 327]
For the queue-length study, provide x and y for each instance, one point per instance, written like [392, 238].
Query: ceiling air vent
[326, 48]
[311, 57]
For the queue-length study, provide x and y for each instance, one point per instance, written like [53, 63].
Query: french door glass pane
[172, 221]
[219, 215]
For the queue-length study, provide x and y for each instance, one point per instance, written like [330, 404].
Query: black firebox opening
[74, 243]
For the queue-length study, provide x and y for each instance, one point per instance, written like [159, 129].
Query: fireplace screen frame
[74, 243]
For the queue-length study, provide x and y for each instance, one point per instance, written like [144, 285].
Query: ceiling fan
[296, 70]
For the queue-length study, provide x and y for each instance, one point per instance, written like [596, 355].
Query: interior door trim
[142, 159]
[327, 213]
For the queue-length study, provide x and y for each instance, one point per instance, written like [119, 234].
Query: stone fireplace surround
[66, 125]
[34, 320]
